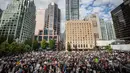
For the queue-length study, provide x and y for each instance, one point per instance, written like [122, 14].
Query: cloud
[97, 10]
[101, 7]
[4, 3]
[84, 12]
[101, 2]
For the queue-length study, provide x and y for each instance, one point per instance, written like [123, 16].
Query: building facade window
[40, 38]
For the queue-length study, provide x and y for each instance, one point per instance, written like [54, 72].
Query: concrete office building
[40, 15]
[80, 35]
[121, 21]
[96, 25]
[52, 23]
[18, 20]
[72, 9]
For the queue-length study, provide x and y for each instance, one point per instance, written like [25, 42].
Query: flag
[96, 60]
[18, 63]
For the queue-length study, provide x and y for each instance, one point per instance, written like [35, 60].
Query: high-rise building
[121, 21]
[52, 23]
[110, 30]
[40, 14]
[103, 30]
[80, 35]
[96, 25]
[107, 30]
[18, 20]
[72, 9]
[0, 13]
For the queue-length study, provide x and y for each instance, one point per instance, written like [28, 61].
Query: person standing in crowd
[64, 62]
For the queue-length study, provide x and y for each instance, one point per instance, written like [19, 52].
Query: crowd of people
[66, 62]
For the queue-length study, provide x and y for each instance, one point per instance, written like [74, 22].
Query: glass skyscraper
[18, 20]
[72, 9]
[107, 30]
[121, 21]
[52, 22]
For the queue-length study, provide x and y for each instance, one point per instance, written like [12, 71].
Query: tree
[14, 47]
[44, 44]
[52, 44]
[10, 39]
[17, 48]
[21, 48]
[108, 48]
[35, 44]
[2, 39]
[27, 48]
[4, 48]
[28, 42]
[69, 47]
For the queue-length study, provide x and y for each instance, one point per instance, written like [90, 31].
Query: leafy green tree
[108, 48]
[14, 47]
[28, 42]
[21, 48]
[1, 52]
[10, 39]
[35, 45]
[69, 47]
[27, 48]
[44, 44]
[4, 48]
[52, 44]
[2, 39]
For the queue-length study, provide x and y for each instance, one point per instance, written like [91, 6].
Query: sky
[100, 7]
